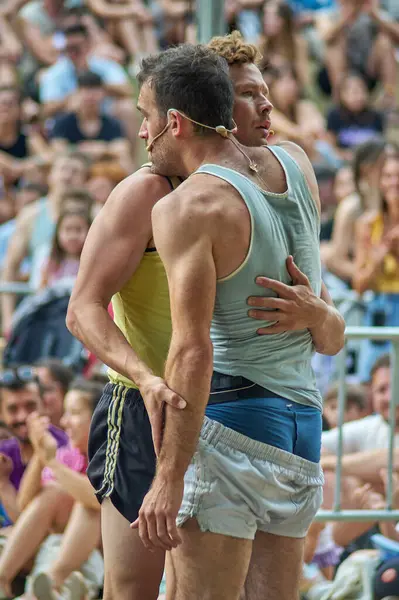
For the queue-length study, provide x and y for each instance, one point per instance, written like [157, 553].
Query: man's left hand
[296, 308]
[157, 517]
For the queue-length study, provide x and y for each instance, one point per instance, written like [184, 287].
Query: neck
[211, 149]
[7, 128]
[88, 115]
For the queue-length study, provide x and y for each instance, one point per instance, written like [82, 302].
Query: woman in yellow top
[377, 261]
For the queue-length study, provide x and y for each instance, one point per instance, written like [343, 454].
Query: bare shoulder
[194, 202]
[302, 160]
[141, 189]
[296, 152]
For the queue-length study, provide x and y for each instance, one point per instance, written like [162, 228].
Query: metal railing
[337, 514]
[16, 287]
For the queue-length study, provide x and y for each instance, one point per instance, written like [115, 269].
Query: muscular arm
[112, 252]
[184, 244]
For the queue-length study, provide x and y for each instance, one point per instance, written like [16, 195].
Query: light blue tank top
[281, 224]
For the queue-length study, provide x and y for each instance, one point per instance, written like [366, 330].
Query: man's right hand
[156, 394]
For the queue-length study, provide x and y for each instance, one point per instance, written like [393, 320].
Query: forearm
[365, 277]
[331, 34]
[31, 483]
[8, 498]
[390, 28]
[328, 333]
[344, 533]
[364, 465]
[93, 326]
[119, 90]
[75, 484]
[112, 11]
[188, 373]
[328, 336]
[341, 266]
[388, 528]
[55, 106]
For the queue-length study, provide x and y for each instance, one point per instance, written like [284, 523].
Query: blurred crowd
[68, 136]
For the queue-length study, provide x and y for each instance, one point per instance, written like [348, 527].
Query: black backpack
[39, 330]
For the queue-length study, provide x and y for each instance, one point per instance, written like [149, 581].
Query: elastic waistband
[230, 388]
[112, 388]
[214, 433]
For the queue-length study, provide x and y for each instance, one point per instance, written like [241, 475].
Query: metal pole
[211, 20]
[341, 418]
[392, 417]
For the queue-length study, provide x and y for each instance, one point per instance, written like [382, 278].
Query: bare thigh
[131, 571]
[206, 566]
[275, 568]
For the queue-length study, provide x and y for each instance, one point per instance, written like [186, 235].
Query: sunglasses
[17, 376]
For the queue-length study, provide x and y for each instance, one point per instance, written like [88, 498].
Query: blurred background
[68, 136]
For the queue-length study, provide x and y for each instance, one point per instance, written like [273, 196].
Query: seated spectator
[93, 133]
[36, 223]
[26, 194]
[175, 18]
[338, 255]
[377, 262]
[20, 396]
[280, 44]
[69, 237]
[249, 19]
[372, 432]
[53, 484]
[55, 379]
[355, 406]
[10, 51]
[321, 550]
[104, 176]
[294, 118]
[353, 121]
[132, 24]
[59, 83]
[19, 150]
[357, 41]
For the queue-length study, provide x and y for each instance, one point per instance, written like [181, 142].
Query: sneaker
[76, 586]
[42, 587]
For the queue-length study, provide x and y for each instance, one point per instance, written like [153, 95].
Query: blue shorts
[276, 421]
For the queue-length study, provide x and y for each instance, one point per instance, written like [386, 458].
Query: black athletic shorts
[121, 452]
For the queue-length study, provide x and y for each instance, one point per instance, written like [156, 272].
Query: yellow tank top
[142, 313]
[388, 280]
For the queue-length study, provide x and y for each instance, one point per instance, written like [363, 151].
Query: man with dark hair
[240, 472]
[59, 83]
[20, 397]
[55, 379]
[120, 260]
[96, 134]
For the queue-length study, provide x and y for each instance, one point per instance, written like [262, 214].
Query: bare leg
[382, 64]
[131, 571]
[82, 535]
[336, 64]
[130, 37]
[50, 509]
[207, 566]
[275, 569]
